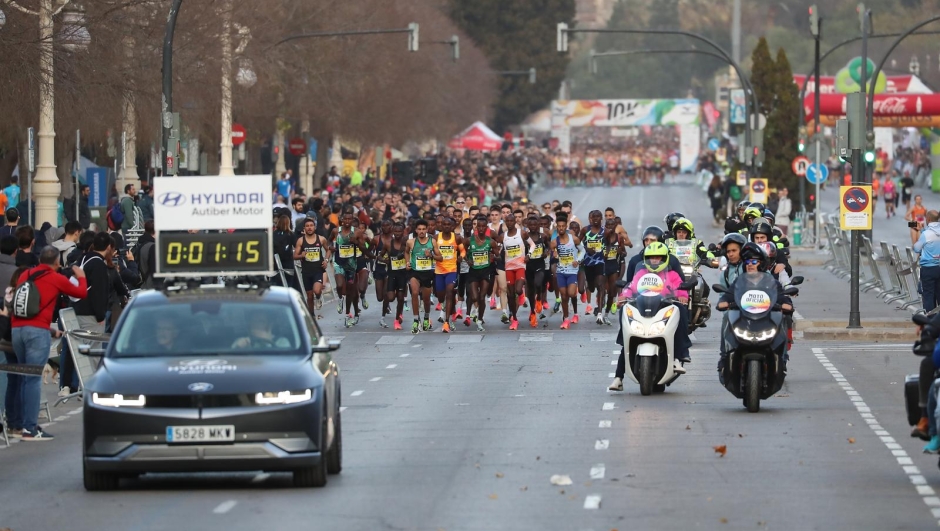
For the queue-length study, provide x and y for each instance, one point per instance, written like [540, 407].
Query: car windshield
[208, 327]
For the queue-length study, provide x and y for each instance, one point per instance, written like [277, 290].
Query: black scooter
[756, 338]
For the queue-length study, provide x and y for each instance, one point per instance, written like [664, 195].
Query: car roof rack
[188, 285]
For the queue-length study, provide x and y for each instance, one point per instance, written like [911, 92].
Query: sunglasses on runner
[752, 261]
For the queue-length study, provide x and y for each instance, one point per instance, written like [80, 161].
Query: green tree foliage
[781, 134]
[764, 77]
[517, 36]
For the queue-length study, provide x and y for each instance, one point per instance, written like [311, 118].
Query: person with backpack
[126, 207]
[68, 242]
[92, 309]
[34, 300]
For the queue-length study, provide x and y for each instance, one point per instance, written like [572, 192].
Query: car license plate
[185, 434]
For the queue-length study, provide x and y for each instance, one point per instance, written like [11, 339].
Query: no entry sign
[238, 134]
[799, 165]
[297, 146]
[855, 208]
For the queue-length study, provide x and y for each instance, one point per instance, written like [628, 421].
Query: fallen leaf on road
[562, 491]
[851, 440]
[560, 480]
[723, 520]
[477, 465]
[499, 474]
[524, 488]
[722, 450]
[493, 496]
[740, 436]
[688, 427]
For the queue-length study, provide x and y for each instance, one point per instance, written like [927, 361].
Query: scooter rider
[683, 229]
[762, 231]
[656, 261]
[736, 222]
[731, 246]
[652, 234]
[752, 213]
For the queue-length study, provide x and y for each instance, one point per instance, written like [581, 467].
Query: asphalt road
[464, 432]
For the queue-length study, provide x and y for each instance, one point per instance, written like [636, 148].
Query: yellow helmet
[684, 223]
[653, 250]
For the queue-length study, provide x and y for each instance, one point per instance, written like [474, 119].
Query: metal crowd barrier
[288, 276]
[892, 276]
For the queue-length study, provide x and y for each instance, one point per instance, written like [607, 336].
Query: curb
[859, 334]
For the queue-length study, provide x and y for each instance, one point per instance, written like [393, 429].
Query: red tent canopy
[477, 137]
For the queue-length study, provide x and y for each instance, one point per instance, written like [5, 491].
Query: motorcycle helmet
[684, 223]
[770, 217]
[770, 250]
[762, 227]
[751, 213]
[742, 205]
[759, 206]
[671, 219]
[656, 249]
[734, 237]
[654, 231]
[753, 251]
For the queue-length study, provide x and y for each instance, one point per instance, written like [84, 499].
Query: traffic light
[870, 147]
[801, 145]
[275, 153]
[814, 21]
[860, 9]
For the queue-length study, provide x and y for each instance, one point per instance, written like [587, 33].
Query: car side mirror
[327, 345]
[86, 350]
[718, 288]
[796, 281]
[792, 290]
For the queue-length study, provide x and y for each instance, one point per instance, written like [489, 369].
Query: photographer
[928, 247]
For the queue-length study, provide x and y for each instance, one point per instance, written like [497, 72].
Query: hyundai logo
[172, 199]
[199, 363]
[200, 387]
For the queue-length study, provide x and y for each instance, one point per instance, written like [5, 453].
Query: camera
[912, 224]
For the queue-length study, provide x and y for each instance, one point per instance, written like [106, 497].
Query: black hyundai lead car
[210, 379]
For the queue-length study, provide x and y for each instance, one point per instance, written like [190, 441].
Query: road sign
[713, 144]
[799, 165]
[741, 178]
[812, 176]
[824, 150]
[855, 208]
[761, 122]
[239, 134]
[758, 191]
[297, 146]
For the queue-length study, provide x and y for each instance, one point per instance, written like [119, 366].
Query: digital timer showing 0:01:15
[244, 250]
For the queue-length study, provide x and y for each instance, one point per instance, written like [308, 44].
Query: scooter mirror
[796, 281]
[688, 284]
[791, 291]
[920, 319]
[718, 288]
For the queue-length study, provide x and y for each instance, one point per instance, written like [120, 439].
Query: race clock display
[242, 251]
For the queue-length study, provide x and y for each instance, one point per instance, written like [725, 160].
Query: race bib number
[566, 260]
[481, 259]
[612, 253]
[346, 251]
[536, 252]
[447, 252]
[423, 264]
[312, 255]
[514, 251]
[398, 264]
[594, 246]
[650, 285]
[755, 301]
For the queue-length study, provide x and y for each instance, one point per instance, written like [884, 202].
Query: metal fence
[886, 271]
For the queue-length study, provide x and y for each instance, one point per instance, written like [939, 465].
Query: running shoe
[318, 304]
[371, 280]
[397, 325]
[480, 326]
[557, 307]
[365, 303]
[513, 324]
[542, 316]
[492, 303]
[533, 320]
[440, 318]
[606, 320]
[564, 324]
[348, 321]
[427, 325]
[458, 316]
[584, 297]
[356, 320]
[522, 301]
[599, 320]
[588, 309]
[445, 329]
[382, 322]
[438, 307]
[405, 309]
[504, 318]
[466, 321]
[613, 307]
[574, 319]
[414, 328]
[339, 306]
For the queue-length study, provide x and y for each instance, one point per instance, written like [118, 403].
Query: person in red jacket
[32, 339]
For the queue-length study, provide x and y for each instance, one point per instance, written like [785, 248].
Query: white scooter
[649, 323]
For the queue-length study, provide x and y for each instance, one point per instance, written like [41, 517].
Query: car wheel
[334, 458]
[314, 476]
[98, 481]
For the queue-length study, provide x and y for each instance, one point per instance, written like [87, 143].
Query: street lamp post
[75, 38]
[226, 166]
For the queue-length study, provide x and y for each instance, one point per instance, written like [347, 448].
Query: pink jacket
[670, 284]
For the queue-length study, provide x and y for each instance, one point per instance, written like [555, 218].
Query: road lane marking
[75, 411]
[592, 502]
[357, 393]
[377, 378]
[919, 482]
[601, 444]
[608, 406]
[604, 424]
[613, 362]
[405, 355]
[391, 366]
[394, 340]
[597, 471]
[60, 418]
[612, 375]
[342, 408]
[225, 507]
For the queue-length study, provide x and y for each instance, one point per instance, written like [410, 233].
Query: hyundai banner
[198, 203]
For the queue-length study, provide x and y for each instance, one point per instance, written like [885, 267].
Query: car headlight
[284, 397]
[118, 400]
[761, 335]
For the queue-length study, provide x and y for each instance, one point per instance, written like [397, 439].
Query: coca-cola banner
[827, 84]
[890, 121]
[885, 105]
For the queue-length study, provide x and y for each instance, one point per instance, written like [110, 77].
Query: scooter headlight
[760, 335]
[637, 328]
[657, 328]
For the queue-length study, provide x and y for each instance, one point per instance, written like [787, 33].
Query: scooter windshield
[756, 294]
[685, 252]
